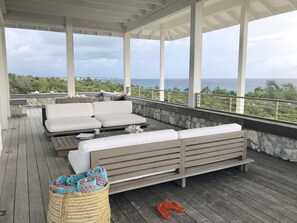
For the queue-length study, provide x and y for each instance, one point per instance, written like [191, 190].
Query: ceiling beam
[98, 6]
[152, 34]
[233, 15]
[58, 10]
[293, 3]
[16, 19]
[3, 6]
[155, 2]
[267, 5]
[126, 3]
[253, 14]
[220, 6]
[176, 22]
[208, 11]
[157, 15]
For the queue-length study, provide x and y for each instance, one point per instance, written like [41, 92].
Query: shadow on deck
[267, 193]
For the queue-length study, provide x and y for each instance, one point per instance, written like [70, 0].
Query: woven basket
[79, 207]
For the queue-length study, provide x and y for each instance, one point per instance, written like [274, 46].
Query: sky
[272, 53]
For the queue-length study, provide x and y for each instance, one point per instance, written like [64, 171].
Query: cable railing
[175, 97]
[276, 109]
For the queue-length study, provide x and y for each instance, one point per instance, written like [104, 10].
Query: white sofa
[76, 117]
[142, 159]
[70, 117]
[119, 113]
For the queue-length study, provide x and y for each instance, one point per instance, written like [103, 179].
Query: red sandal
[174, 206]
[163, 210]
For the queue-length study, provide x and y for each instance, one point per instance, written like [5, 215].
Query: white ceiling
[142, 18]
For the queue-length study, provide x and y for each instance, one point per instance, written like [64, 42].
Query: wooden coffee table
[64, 144]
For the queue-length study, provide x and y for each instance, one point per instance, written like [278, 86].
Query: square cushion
[189, 133]
[119, 119]
[71, 124]
[112, 107]
[69, 110]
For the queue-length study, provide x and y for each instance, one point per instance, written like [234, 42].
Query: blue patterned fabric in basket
[95, 179]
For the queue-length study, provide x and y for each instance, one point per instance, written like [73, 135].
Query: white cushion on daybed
[112, 107]
[119, 119]
[80, 159]
[189, 133]
[70, 110]
[71, 124]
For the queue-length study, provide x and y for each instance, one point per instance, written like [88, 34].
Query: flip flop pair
[163, 208]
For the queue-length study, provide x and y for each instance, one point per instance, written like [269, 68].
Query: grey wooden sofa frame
[176, 159]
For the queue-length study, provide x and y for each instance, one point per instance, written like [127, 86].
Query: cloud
[272, 52]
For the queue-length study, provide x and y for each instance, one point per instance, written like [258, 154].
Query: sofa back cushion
[189, 133]
[112, 107]
[85, 147]
[70, 110]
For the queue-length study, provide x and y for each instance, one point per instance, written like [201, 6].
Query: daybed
[143, 159]
[63, 119]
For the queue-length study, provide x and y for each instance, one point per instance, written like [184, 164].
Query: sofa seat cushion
[110, 120]
[189, 133]
[80, 159]
[71, 124]
[112, 107]
[70, 110]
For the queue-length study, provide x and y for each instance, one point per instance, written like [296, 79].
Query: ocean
[229, 84]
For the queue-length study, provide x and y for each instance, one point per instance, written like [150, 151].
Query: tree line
[27, 84]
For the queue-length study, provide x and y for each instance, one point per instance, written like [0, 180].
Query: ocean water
[230, 84]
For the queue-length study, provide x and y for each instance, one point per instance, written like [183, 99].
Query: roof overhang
[141, 18]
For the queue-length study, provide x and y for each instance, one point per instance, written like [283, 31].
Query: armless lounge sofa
[63, 119]
[138, 160]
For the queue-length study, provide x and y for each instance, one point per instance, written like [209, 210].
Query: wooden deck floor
[267, 193]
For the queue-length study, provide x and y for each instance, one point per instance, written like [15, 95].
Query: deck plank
[4, 158]
[262, 204]
[36, 206]
[8, 195]
[127, 208]
[232, 196]
[21, 209]
[189, 198]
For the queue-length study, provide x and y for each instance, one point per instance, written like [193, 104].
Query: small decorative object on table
[85, 136]
[134, 129]
[96, 131]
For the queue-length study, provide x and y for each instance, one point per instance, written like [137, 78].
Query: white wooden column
[70, 58]
[244, 20]
[127, 69]
[4, 81]
[195, 52]
[162, 67]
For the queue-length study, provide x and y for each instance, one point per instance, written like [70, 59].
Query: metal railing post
[276, 110]
[128, 91]
[198, 100]
[230, 104]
